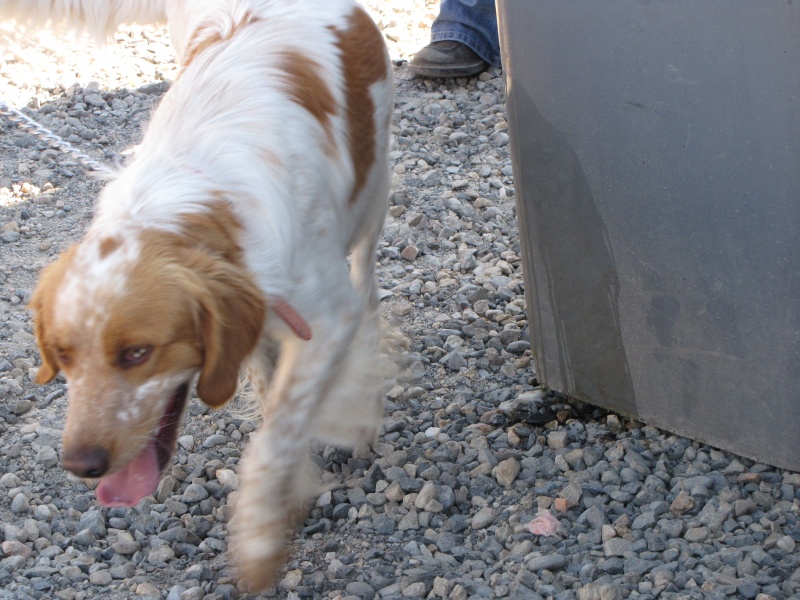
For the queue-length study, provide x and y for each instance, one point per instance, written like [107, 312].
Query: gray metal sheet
[656, 149]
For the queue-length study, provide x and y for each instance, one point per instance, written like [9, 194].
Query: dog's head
[131, 320]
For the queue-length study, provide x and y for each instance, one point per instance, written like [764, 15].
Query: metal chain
[25, 123]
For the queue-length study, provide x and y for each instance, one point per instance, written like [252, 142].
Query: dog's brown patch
[309, 90]
[231, 307]
[363, 65]
[208, 34]
[216, 229]
[108, 245]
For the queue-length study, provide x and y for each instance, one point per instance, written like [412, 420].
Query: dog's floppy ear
[48, 369]
[231, 316]
[42, 305]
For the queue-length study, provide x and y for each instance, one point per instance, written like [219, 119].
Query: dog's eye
[135, 355]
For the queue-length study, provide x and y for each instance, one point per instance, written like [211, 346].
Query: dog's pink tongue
[134, 482]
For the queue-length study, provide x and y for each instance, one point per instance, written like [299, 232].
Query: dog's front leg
[275, 478]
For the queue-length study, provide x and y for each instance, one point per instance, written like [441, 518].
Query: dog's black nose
[87, 462]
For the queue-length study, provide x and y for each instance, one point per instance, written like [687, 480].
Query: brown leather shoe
[447, 58]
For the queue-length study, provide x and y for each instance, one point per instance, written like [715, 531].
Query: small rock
[85, 537]
[336, 569]
[215, 440]
[441, 587]
[646, 520]
[125, 570]
[557, 439]
[12, 532]
[696, 534]
[607, 532]
[561, 504]
[20, 504]
[360, 589]
[291, 580]
[193, 593]
[148, 589]
[550, 562]
[93, 520]
[518, 347]
[13, 563]
[682, 503]
[10, 480]
[10, 237]
[786, 543]
[743, 507]
[506, 471]
[95, 99]
[415, 590]
[194, 493]
[616, 546]
[175, 592]
[23, 406]
[748, 590]
[410, 253]
[483, 518]
[160, 555]
[47, 457]
[166, 488]
[600, 591]
[100, 578]
[126, 547]
[409, 521]
[15, 548]
[454, 361]
[186, 442]
[429, 491]
[228, 479]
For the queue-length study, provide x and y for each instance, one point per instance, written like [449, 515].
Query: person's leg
[464, 40]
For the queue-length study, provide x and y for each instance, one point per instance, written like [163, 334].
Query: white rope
[25, 123]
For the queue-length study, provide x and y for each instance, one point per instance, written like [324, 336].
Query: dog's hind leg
[362, 266]
[374, 201]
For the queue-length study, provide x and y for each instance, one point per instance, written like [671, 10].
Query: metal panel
[656, 150]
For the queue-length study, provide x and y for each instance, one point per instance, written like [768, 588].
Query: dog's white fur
[273, 143]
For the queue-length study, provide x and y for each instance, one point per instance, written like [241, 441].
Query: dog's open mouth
[140, 477]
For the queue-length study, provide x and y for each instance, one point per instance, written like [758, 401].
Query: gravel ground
[454, 499]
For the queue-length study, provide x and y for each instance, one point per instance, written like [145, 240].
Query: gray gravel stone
[616, 546]
[100, 578]
[600, 591]
[94, 521]
[194, 493]
[506, 472]
[47, 457]
[551, 562]
[20, 504]
[483, 518]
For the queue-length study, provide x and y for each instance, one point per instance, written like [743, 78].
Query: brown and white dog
[264, 166]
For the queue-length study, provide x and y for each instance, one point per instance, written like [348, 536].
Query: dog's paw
[257, 569]
[276, 481]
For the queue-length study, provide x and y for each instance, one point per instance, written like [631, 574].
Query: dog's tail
[99, 17]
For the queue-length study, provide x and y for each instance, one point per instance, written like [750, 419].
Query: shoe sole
[448, 72]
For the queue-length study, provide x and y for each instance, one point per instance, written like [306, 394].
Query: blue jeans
[472, 22]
